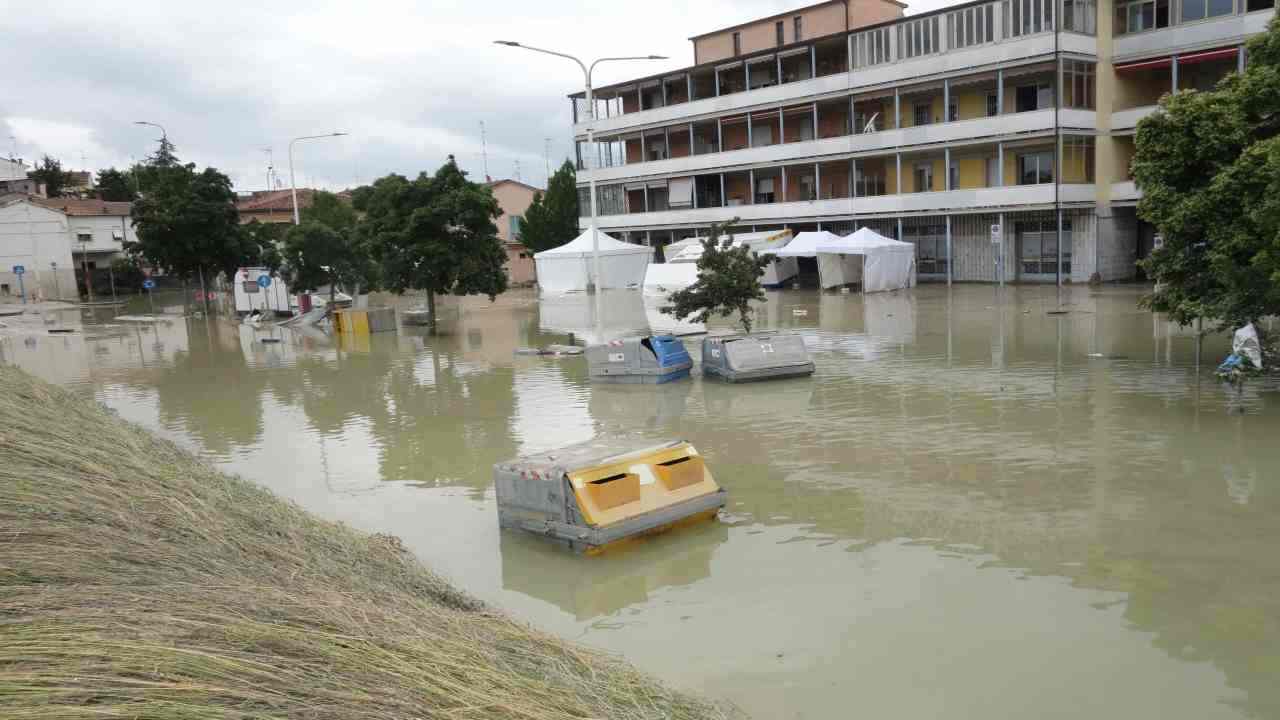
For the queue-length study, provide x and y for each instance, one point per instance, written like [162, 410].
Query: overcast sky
[411, 81]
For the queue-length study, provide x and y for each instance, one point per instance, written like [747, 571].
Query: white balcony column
[900, 235]
[662, 84]
[1000, 164]
[853, 117]
[817, 182]
[848, 52]
[1059, 273]
[646, 197]
[897, 158]
[692, 150]
[897, 109]
[751, 140]
[1000, 252]
[813, 61]
[782, 127]
[784, 184]
[999, 91]
[853, 178]
[946, 100]
[666, 138]
[777, 59]
[815, 121]
[639, 98]
[723, 200]
[648, 238]
[949, 273]
[946, 168]
[717, 74]
[719, 136]
[688, 83]
[1174, 73]
[694, 178]
[751, 189]
[746, 73]
[1240, 60]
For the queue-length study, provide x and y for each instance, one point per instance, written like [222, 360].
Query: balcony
[1128, 119]
[883, 140]
[1021, 197]
[1125, 192]
[1226, 30]
[898, 72]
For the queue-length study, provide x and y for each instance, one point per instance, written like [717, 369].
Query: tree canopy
[326, 249]
[187, 221]
[114, 186]
[1208, 165]
[49, 171]
[434, 234]
[728, 281]
[552, 219]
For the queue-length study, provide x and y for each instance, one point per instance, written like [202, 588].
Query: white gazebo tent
[875, 262]
[680, 269]
[568, 268]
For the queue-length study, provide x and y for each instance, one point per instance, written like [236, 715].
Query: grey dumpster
[652, 359]
[597, 493]
[762, 356]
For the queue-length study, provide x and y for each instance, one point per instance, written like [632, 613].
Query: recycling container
[606, 491]
[651, 359]
[761, 356]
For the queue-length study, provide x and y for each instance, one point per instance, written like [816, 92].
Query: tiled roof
[493, 183]
[83, 208]
[275, 201]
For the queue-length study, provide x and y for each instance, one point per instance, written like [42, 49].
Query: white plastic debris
[1245, 343]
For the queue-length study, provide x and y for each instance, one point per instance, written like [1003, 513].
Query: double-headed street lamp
[591, 121]
[293, 187]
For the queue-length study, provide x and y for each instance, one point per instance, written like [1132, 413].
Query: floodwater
[966, 512]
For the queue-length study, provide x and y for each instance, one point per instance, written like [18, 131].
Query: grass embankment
[138, 582]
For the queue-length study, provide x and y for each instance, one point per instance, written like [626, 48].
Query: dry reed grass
[138, 582]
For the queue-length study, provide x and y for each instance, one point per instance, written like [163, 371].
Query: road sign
[148, 284]
[19, 269]
[996, 232]
[264, 281]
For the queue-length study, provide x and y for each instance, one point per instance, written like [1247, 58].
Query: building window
[953, 110]
[971, 26]
[1035, 168]
[924, 177]
[117, 235]
[1028, 98]
[1255, 5]
[922, 113]
[764, 191]
[918, 37]
[1080, 16]
[1077, 159]
[869, 185]
[737, 43]
[1135, 17]
[513, 227]
[84, 237]
[1027, 17]
[1038, 247]
[1201, 9]
[1078, 87]
[871, 48]
[931, 247]
[953, 175]
[778, 28]
[799, 27]
[993, 104]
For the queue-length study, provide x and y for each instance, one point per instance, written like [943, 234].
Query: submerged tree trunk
[431, 312]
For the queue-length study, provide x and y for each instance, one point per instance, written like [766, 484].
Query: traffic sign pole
[21, 270]
[148, 285]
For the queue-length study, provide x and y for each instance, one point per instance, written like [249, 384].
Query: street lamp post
[163, 135]
[293, 186]
[591, 121]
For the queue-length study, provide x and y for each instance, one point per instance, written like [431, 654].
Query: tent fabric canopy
[866, 257]
[568, 268]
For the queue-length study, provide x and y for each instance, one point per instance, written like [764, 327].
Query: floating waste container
[364, 321]
[652, 359]
[743, 358]
[604, 491]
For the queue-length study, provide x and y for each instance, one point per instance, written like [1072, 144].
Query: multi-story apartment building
[995, 135]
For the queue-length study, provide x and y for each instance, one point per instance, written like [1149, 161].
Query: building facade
[514, 198]
[56, 239]
[996, 135]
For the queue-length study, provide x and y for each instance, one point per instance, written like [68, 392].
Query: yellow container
[680, 472]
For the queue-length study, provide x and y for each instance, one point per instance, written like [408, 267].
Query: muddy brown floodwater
[986, 503]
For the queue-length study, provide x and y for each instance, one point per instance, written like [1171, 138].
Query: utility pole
[546, 159]
[484, 153]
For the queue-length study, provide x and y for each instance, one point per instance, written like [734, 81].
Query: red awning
[1208, 55]
[1146, 65]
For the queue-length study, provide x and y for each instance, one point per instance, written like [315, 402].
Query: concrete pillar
[723, 199]
[751, 187]
[853, 178]
[784, 184]
[782, 127]
[999, 91]
[646, 197]
[1059, 268]
[815, 121]
[817, 181]
[717, 75]
[688, 84]
[746, 73]
[950, 270]
[897, 109]
[662, 84]
[719, 136]
[900, 235]
[946, 101]
[898, 175]
[1000, 164]
[751, 141]
[691, 148]
[1174, 73]
[1000, 252]
[778, 72]
[813, 61]
[946, 165]
[1240, 60]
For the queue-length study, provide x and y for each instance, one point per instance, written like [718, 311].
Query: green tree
[329, 209]
[115, 186]
[728, 280]
[49, 171]
[187, 222]
[326, 249]
[435, 234]
[552, 219]
[266, 240]
[1208, 165]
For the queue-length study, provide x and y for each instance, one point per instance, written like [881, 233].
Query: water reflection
[1016, 498]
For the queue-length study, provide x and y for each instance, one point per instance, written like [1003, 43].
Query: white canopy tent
[680, 269]
[871, 260]
[568, 268]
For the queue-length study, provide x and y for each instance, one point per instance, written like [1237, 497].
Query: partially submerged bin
[601, 492]
[651, 359]
[364, 321]
[743, 358]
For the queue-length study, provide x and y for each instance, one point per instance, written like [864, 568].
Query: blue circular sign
[148, 284]
[264, 281]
